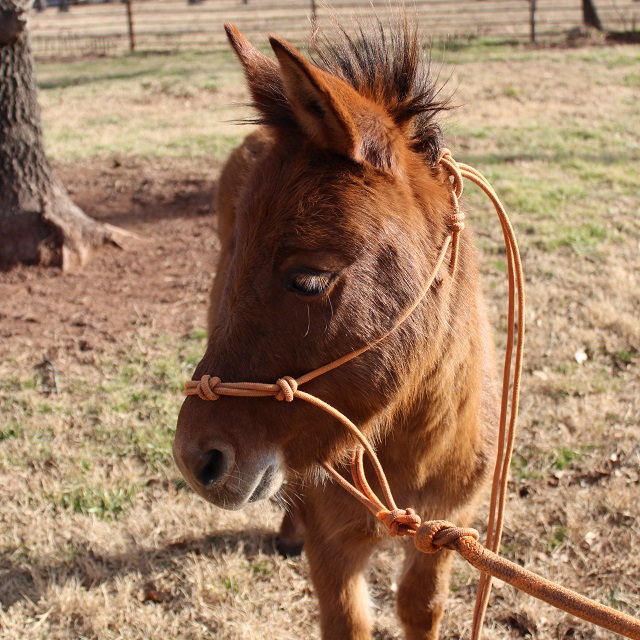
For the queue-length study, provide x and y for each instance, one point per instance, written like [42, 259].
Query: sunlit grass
[128, 412]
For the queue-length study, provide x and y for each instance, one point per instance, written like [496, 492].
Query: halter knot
[288, 387]
[435, 534]
[400, 522]
[456, 222]
[206, 386]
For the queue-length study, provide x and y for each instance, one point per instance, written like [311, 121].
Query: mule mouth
[233, 496]
[267, 485]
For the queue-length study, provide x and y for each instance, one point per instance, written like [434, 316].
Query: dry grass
[99, 537]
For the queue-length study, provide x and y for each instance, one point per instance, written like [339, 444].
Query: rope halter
[431, 536]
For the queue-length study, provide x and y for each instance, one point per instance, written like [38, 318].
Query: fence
[102, 27]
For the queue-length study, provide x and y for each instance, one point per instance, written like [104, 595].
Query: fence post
[532, 19]
[132, 36]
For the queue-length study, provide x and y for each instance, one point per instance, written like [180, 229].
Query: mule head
[337, 225]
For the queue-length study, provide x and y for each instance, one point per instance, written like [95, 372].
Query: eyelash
[308, 283]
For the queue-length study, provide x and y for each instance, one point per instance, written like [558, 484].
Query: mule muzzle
[224, 468]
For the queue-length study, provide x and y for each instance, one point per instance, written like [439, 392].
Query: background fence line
[113, 27]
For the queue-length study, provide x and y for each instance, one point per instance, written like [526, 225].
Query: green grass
[104, 503]
[564, 457]
[142, 105]
[628, 356]
[13, 430]
[127, 413]
[560, 181]
[556, 174]
[557, 536]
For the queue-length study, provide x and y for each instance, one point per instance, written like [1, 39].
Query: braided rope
[431, 536]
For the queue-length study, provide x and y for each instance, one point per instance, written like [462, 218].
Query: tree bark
[590, 15]
[39, 224]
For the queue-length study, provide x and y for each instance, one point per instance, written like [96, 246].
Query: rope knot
[435, 534]
[400, 522]
[456, 221]
[206, 386]
[288, 387]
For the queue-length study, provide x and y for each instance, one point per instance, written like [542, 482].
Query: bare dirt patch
[160, 281]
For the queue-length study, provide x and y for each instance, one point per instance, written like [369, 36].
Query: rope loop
[447, 161]
[456, 220]
[400, 522]
[435, 534]
[206, 386]
[455, 224]
[288, 387]
[431, 536]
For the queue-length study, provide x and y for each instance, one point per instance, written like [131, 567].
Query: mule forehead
[308, 198]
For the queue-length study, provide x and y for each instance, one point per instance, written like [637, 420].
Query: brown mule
[331, 217]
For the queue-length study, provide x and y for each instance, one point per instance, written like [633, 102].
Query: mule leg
[290, 538]
[422, 592]
[337, 567]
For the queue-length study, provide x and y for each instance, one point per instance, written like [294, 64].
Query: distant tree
[39, 224]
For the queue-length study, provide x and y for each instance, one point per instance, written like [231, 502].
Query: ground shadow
[30, 580]
[140, 193]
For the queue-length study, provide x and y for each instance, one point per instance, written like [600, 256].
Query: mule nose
[213, 467]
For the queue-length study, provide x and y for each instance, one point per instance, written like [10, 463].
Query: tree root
[60, 234]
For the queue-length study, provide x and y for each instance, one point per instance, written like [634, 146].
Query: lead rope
[431, 536]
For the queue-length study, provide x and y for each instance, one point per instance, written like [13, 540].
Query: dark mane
[389, 67]
[386, 65]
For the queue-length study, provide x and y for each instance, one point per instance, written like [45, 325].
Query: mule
[331, 217]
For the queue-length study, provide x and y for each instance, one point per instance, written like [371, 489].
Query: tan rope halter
[431, 536]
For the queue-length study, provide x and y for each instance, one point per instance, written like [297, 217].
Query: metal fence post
[532, 19]
[132, 36]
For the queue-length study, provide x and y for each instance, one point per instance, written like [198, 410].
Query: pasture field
[100, 538]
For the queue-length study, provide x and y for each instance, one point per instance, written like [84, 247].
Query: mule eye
[308, 282]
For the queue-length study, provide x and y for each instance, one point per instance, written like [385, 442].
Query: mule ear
[263, 78]
[315, 102]
[331, 112]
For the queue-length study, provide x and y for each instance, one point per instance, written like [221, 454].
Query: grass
[564, 457]
[98, 517]
[144, 94]
[129, 414]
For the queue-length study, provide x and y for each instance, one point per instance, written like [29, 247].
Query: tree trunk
[39, 224]
[590, 15]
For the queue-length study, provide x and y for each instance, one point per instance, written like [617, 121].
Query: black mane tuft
[387, 66]
[390, 68]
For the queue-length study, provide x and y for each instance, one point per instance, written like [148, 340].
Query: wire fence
[109, 27]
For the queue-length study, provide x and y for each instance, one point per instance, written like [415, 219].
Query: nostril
[214, 467]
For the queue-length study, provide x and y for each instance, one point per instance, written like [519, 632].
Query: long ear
[332, 113]
[264, 80]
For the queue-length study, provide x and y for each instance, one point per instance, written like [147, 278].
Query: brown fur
[342, 179]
